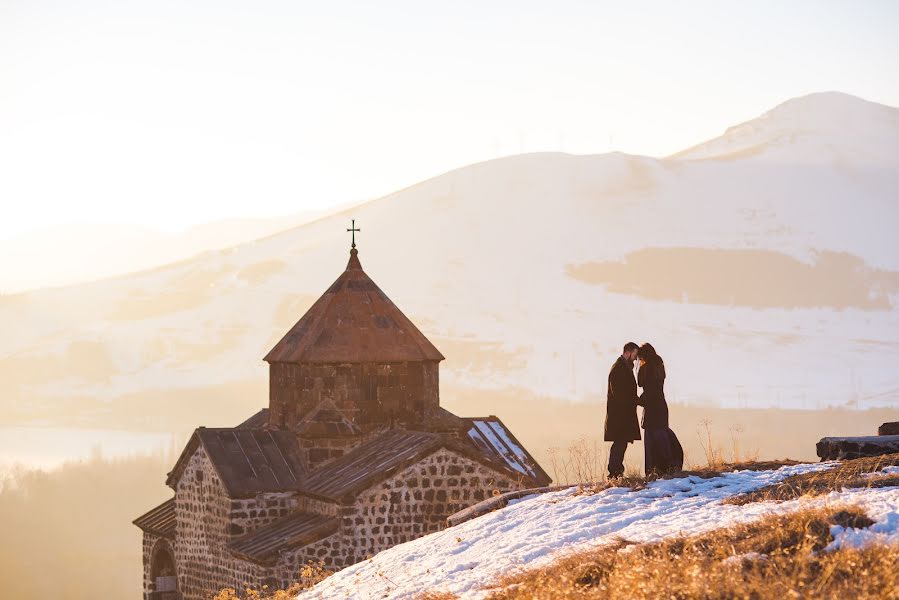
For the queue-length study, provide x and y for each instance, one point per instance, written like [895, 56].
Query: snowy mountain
[828, 127]
[763, 265]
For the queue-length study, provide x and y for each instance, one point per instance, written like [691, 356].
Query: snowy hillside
[824, 128]
[761, 282]
[465, 559]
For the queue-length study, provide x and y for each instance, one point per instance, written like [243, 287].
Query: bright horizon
[169, 115]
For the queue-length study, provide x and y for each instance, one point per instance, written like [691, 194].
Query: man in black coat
[622, 426]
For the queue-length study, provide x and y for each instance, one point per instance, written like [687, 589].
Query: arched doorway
[163, 574]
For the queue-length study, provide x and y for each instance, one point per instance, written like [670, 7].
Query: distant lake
[48, 447]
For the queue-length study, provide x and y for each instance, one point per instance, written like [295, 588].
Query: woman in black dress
[661, 447]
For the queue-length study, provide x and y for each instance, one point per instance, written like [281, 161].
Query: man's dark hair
[629, 347]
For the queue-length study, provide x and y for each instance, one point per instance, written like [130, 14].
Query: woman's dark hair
[648, 354]
[646, 351]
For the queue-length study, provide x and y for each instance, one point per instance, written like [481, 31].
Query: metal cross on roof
[354, 230]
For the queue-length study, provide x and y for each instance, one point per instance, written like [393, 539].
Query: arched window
[163, 575]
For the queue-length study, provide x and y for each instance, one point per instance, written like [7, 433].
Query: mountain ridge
[526, 272]
[820, 113]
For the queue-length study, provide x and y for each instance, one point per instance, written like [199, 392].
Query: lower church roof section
[249, 461]
[257, 421]
[392, 451]
[374, 460]
[300, 529]
[160, 520]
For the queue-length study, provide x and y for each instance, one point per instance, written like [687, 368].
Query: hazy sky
[170, 113]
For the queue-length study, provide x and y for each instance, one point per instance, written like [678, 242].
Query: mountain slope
[528, 273]
[827, 127]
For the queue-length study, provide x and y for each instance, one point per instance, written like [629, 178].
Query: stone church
[353, 455]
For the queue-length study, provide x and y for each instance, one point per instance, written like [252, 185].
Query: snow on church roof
[491, 435]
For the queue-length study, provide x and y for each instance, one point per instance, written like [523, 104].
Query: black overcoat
[651, 378]
[621, 404]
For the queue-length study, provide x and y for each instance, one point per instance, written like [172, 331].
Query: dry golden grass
[250, 594]
[847, 474]
[436, 596]
[787, 564]
[311, 574]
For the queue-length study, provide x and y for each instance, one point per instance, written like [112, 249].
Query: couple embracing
[661, 447]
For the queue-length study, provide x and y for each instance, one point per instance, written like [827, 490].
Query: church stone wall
[367, 393]
[412, 503]
[206, 520]
[249, 514]
[319, 451]
[202, 517]
[408, 505]
[325, 508]
[149, 543]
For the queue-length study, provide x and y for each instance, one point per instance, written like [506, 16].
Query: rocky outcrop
[889, 429]
[840, 448]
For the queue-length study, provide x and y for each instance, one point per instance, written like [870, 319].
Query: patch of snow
[522, 499]
[539, 530]
[884, 471]
[881, 505]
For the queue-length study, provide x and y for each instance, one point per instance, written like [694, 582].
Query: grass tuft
[847, 474]
[778, 557]
[311, 574]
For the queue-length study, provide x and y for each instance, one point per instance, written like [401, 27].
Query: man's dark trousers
[616, 458]
[621, 426]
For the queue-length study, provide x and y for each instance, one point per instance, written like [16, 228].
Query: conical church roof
[353, 322]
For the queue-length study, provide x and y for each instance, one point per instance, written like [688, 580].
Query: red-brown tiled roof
[353, 322]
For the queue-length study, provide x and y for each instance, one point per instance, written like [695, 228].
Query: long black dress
[662, 449]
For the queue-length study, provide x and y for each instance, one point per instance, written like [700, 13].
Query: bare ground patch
[744, 277]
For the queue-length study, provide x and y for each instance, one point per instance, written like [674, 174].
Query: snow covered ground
[464, 559]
